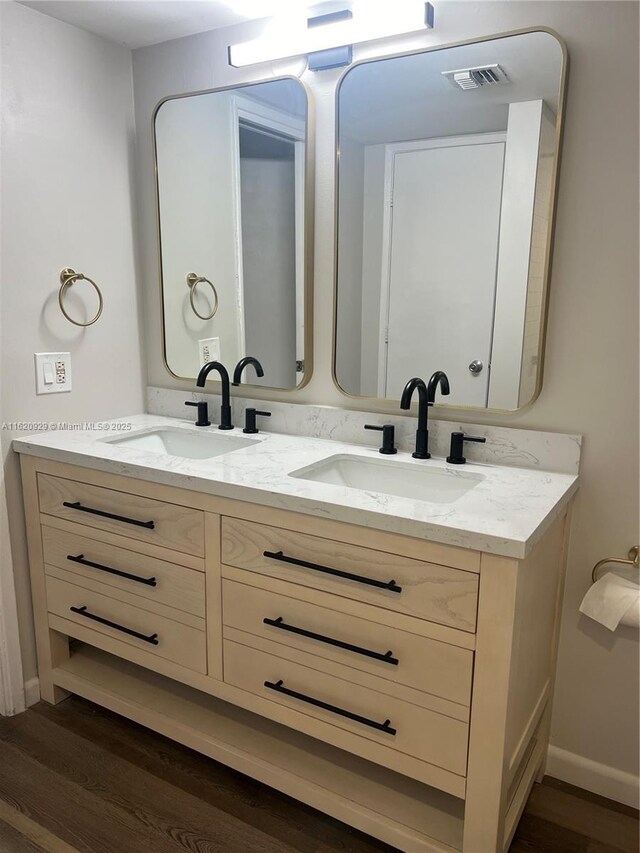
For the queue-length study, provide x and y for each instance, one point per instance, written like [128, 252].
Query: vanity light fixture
[327, 39]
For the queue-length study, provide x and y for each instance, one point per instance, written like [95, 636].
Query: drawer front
[426, 590]
[165, 524]
[147, 631]
[399, 725]
[388, 653]
[117, 568]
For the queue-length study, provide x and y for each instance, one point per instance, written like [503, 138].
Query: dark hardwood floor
[76, 777]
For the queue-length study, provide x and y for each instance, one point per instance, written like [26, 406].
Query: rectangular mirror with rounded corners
[447, 170]
[234, 223]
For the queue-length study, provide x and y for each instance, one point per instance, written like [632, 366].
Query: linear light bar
[295, 34]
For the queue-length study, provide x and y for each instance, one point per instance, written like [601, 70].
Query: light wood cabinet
[399, 685]
[389, 656]
[419, 588]
[127, 573]
[159, 522]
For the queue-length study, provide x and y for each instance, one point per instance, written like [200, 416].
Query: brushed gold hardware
[193, 281]
[633, 559]
[68, 277]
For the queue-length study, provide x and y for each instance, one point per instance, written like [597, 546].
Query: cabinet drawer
[155, 581]
[176, 527]
[398, 725]
[389, 653]
[174, 641]
[415, 587]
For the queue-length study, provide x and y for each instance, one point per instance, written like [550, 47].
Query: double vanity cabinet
[398, 683]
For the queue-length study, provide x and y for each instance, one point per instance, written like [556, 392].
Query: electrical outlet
[53, 372]
[209, 350]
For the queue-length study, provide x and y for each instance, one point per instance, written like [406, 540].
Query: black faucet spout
[242, 364]
[422, 433]
[439, 378]
[225, 409]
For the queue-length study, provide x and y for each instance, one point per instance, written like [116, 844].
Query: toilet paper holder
[633, 559]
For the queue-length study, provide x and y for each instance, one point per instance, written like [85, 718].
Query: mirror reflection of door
[444, 220]
[269, 214]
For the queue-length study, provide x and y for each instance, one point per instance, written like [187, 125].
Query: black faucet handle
[203, 412]
[388, 437]
[250, 416]
[457, 445]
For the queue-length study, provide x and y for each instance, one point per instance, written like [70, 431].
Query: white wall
[516, 229]
[591, 375]
[66, 187]
[373, 238]
[350, 265]
[538, 251]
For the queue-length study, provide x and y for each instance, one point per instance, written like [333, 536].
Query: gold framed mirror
[234, 191]
[446, 174]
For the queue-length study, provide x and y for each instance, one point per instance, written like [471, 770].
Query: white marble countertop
[506, 513]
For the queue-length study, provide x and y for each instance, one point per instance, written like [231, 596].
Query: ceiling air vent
[476, 78]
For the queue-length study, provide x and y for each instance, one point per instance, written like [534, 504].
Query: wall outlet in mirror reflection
[208, 350]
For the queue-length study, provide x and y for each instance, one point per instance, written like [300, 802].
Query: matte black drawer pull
[82, 611]
[381, 727]
[392, 586]
[80, 559]
[279, 623]
[77, 505]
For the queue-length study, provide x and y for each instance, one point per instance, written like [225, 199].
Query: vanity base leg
[57, 652]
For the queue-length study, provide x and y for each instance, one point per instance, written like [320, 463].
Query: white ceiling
[136, 23]
[408, 98]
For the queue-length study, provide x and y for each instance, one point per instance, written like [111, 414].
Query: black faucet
[250, 416]
[456, 456]
[245, 362]
[388, 431]
[438, 378]
[203, 412]
[426, 398]
[225, 409]
[422, 433]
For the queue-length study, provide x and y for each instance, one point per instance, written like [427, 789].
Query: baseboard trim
[592, 776]
[32, 691]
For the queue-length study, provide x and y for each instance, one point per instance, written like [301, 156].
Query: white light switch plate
[208, 350]
[53, 372]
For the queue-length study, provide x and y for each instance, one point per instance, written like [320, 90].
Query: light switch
[53, 372]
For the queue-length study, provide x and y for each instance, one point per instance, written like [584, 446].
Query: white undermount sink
[389, 477]
[182, 442]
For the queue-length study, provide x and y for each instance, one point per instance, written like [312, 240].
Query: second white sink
[182, 442]
[402, 479]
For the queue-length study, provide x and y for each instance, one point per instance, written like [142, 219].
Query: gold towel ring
[69, 277]
[633, 560]
[193, 281]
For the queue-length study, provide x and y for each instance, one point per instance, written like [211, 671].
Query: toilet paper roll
[613, 601]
